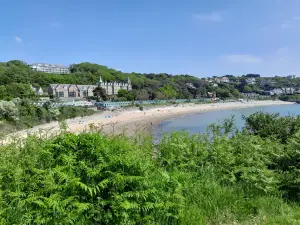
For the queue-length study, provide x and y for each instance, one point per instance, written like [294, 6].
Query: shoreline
[147, 123]
[133, 120]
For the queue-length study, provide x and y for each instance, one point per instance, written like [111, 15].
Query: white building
[225, 80]
[291, 77]
[191, 85]
[218, 80]
[288, 90]
[251, 81]
[50, 68]
[37, 90]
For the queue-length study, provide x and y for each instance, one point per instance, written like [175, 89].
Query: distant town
[263, 86]
[89, 81]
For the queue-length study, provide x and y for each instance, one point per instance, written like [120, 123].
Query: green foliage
[16, 90]
[100, 93]
[222, 93]
[168, 91]
[66, 112]
[15, 76]
[272, 126]
[288, 166]
[85, 179]
[290, 97]
[8, 111]
[224, 176]
[128, 96]
[147, 86]
[247, 89]
[141, 95]
[22, 113]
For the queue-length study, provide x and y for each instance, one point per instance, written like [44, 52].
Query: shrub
[221, 177]
[268, 125]
[85, 179]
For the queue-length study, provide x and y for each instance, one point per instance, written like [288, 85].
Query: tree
[253, 75]
[122, 93]
[100, 93]
[235, 93]
[168, 91]
[247, 89]
[159, 95]
[8, 111]
[223, 93]
[268, 125]
[15, 90]
[142, 95]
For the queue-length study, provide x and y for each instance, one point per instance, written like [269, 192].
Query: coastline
[133, 120]
[156, 116]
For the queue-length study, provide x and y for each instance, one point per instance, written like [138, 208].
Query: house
[208, 79]
[37, 90]
[215, 85]
[291, 77]
[288, 91]
[191, 85]
[211, 95]
[275, 91]
[218, 80]
[50, 68]
[251, 81]
[84, 91]
[225, 80]
[267, 82]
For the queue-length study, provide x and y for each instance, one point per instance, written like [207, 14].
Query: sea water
[197, 123]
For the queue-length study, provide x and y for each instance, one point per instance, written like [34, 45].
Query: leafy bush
[221, 177]
[8, 111]
[268, 125]
[66, 112]
[295, 97]
[22, 113]
[85, 179]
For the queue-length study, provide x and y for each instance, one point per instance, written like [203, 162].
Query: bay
[198, 123]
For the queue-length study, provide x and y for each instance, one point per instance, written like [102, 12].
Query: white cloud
[242, 58]
[18, 39]
[211, 17]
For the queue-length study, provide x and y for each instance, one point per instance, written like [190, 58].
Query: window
[72, 94]
[60, 94]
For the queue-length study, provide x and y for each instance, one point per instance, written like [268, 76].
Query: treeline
[145, 86]
[290, 97]
[20, 114]
[16, 90]
[225, 176]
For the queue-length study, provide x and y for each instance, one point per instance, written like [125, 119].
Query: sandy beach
[130, 121]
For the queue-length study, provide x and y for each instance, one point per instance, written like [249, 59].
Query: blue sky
[197, 37]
